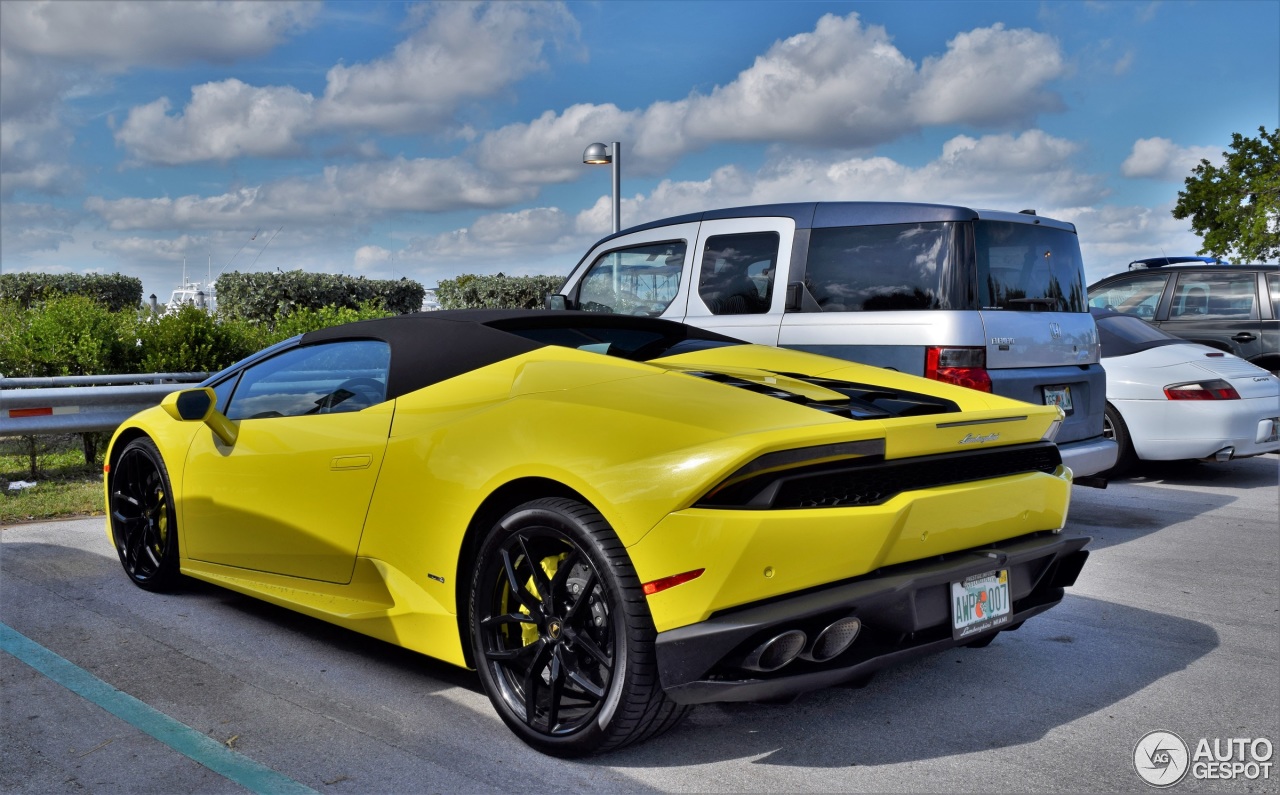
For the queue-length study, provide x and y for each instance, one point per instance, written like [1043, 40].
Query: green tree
[1236, 208]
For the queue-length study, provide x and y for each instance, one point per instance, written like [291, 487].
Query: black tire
[1113, 427]
[143, 521]
[562, 635]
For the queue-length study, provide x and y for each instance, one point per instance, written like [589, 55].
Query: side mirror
[200, 405]
[556, 301]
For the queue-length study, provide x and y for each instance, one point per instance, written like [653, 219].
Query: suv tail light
[1217, 389]
[962, 366]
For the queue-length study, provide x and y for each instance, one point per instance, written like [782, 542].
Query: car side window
[882, 267]
[1138, 296]
[317, 379]
[737, 273]
[1203, 295]
[1273, 287]
[642, 280]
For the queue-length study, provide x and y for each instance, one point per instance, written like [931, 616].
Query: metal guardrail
[80, 404]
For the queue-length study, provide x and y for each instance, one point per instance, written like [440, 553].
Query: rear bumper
[905, 612]
[1090, 456]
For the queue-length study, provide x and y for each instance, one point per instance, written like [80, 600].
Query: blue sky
[425, 140]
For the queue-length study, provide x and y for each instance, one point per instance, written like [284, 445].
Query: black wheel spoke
[593, 690]
[540, 581]
[574, 614]
[554, 691]
[509, 618]
[583, 641]
[533, 678]
[521, 593]
[519, 658]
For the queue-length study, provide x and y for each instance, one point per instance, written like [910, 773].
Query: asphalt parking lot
[1174, 625]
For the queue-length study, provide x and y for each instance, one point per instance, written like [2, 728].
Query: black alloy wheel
[562, 635]
[143, 521]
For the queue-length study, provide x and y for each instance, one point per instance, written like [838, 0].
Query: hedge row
[261, 297]
[114, 291]
[496, 292]
[72, 335]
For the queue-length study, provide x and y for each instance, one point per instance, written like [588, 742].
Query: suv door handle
[1243, 336]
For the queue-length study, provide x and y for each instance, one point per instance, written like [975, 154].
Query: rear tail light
[961, 366]
[1216, 389]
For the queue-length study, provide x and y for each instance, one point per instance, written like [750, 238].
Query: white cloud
[549, 148]
[989, 76]
[1111, 237]
[1160, 158]
[842, 85]
[995, 171]
[51, 50]
[370, 257]
[117, 35]
[224, 120]
[1005, 172]
[464, 52]
[339, 197]
[26, 228]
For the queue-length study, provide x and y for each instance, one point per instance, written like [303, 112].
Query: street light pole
[597, 155]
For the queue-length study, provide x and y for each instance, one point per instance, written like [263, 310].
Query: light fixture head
[597, 155]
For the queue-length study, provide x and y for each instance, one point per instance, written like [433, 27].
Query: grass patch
[65, 485]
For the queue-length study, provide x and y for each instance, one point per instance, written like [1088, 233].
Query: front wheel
[562, 635]
[143, 521]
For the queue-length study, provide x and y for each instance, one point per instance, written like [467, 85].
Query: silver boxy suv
[990, 300]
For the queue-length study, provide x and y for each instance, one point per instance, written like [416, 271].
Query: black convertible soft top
[429, 347]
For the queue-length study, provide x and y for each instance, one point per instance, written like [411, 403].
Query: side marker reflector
[654, 586]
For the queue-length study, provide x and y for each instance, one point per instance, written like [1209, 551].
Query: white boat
[200, 295]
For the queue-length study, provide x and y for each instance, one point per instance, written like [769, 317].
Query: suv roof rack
[1157, 262]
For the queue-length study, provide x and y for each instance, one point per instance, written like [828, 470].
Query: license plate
[980, 603]
[1059, 396]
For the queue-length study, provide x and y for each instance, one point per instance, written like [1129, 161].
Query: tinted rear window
[1122, 335]
[1025, 267]
[639, 344]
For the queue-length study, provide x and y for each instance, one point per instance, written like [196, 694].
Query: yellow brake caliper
[529, 632]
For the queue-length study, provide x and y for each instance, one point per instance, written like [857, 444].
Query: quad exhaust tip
[776, 652]
[782, 649]
[834, 640]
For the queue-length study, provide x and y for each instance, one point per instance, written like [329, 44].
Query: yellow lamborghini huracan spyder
[610, 518]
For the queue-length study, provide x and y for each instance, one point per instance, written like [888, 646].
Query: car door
[1217, 308]
[290, 495]
[739, 277]
[643, 273]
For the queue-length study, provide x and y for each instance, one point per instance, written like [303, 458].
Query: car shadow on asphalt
[1017, 690]
[335, 638]
[1123, 511]
[1258, 472]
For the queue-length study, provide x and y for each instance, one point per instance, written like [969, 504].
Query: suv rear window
[1029, 268]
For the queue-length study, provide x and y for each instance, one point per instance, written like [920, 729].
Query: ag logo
[1161, 758]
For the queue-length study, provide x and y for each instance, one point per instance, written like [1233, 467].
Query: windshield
[1028, 268]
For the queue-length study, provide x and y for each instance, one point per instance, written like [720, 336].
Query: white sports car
[1169, 399]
